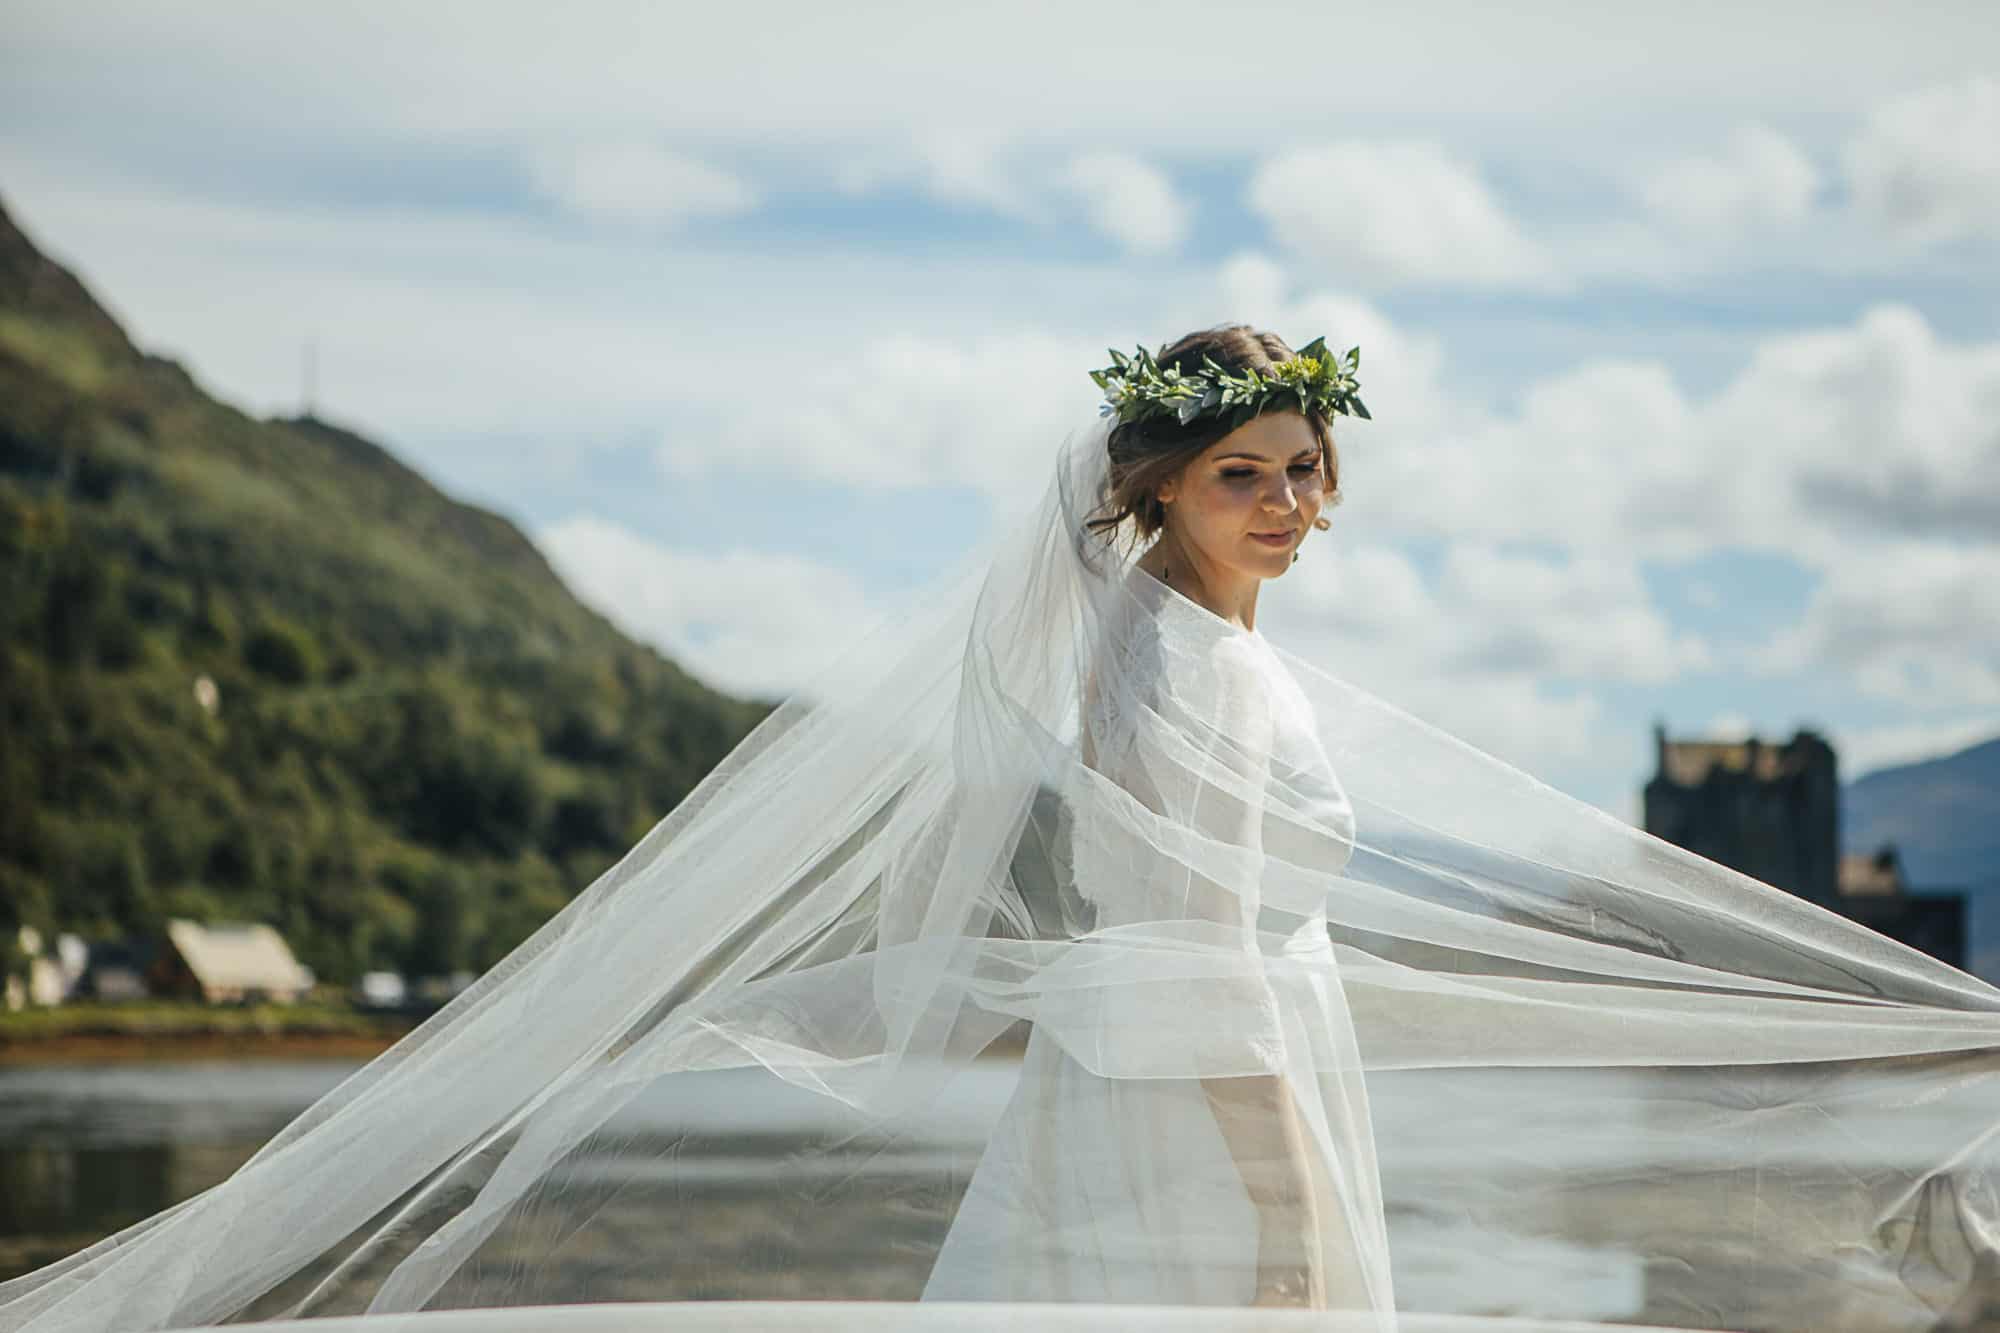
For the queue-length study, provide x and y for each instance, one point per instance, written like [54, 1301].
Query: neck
[1230, 594]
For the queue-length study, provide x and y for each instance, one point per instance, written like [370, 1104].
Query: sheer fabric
[1135, 1184]
[1312, 988]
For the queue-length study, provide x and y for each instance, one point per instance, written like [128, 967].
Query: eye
[1297, 470]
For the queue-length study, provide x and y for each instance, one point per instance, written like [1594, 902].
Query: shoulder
[1240, 642]
[1241, 657]
[1239, 672]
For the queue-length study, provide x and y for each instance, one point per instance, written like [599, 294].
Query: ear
[1166, 491]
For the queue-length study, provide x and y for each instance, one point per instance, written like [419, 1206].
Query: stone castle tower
[1771, 811]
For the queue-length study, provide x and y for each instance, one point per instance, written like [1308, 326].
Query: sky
[1680, 324]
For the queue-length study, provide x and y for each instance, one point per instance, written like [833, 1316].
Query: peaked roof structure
[238, 956]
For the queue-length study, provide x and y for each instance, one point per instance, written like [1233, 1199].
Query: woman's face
[1265, 477]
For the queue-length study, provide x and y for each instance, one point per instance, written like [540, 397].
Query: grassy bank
[164, 1029]
[176, 1030]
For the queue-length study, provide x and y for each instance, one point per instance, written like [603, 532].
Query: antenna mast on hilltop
[311, 375]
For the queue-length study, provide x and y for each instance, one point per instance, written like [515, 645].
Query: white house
[226, 963]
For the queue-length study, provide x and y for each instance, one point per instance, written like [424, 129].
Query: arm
[1192, 749]
[1260, 1124]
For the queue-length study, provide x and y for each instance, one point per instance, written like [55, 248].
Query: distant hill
[1944, 817]
[420, 746]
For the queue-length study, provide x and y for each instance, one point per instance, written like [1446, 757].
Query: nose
[1284, 501]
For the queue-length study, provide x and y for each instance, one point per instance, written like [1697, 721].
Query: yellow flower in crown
[1136, 388]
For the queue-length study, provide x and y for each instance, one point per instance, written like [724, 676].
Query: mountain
[1944, 817]
[262, 670]
[1942, 814]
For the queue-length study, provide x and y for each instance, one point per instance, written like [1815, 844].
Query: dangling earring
[1295, 557]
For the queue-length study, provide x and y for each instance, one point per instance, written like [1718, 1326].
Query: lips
[1272, 538]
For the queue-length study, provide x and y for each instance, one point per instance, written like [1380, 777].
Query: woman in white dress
[1242, 1188]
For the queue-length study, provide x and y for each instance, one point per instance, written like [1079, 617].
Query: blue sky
[1678, 322]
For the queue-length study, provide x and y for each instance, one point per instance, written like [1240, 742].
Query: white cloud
[1584, 616]
[1865, 749]
[904, 412]
[749, 622]
[1828, 441]
[1492, 612]
[1607, 455]
[793, 72]
[1923, 169]
[1368, 591]
[637, 182]
[1489, 613]
[1760, 179]
[434, 322]
[1876, 431]
[1367, 213]
[1914, 623]
[1559, 738]
[955, 165]
[1129, 200]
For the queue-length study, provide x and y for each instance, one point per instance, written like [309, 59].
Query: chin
[1272, 567]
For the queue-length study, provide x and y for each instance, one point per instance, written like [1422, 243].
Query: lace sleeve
[1309, 822]
[1167, 844]
[1229, 781]
[1170, 801]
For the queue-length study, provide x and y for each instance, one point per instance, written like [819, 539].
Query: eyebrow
[1265, 458]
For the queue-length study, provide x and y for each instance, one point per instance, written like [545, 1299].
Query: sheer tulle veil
[1535, 1062]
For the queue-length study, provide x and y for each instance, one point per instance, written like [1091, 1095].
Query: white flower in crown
[1136, 388]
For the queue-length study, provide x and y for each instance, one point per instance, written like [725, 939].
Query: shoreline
[107, 1048]
[133, 1048]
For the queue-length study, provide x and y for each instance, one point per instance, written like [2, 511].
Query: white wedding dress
[1121, 1186]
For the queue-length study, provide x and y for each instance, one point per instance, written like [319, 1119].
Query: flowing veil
[1527, 1061]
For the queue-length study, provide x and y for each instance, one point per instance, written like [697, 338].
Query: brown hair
[1146, 453]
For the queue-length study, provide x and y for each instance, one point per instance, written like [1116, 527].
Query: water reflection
[46, 1189]
[736, 1184]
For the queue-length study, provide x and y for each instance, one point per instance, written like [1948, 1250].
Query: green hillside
[421, 744]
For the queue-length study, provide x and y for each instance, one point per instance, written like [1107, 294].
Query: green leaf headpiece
[1137, 389]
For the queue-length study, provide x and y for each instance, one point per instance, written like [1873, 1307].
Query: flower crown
[1137, 389]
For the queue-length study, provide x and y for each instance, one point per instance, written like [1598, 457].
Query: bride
[1310, 986]
[1240, 1188]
